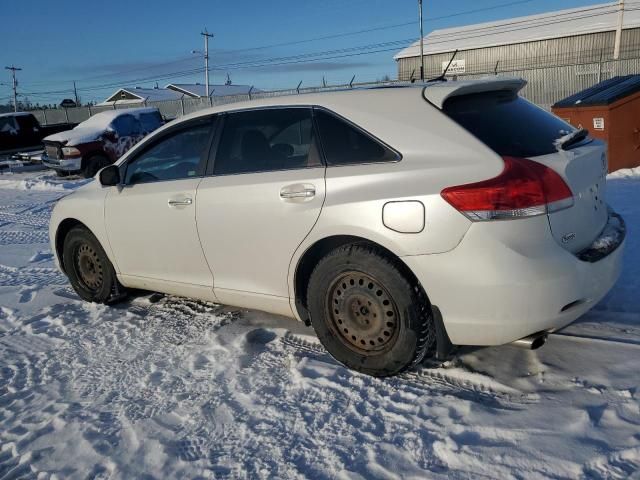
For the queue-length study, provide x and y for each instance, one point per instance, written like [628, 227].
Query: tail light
[524, 189]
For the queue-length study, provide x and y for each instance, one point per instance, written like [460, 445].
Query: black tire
[62, 173]
[86, 264]
[93, 165]
[349, 290]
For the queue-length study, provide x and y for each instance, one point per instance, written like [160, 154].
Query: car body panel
[249, 233]
[503, 283]
[584, 169]
[152, 239]
[90, 198]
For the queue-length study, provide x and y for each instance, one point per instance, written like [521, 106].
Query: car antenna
[441, 77]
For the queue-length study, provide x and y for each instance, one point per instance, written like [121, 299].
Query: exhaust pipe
[532, 342]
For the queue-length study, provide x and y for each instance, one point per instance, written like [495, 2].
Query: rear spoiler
[438, 93]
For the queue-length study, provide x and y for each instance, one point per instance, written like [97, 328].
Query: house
[138, 95]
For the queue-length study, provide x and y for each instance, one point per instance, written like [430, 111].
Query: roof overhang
[171, 86]
[117, 92]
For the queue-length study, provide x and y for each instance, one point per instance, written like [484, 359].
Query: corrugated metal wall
[547, 85]
[573, 50]
[554, 68]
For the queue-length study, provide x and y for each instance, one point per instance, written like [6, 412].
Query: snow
[555, 24]
[42, 181]
[165, 387]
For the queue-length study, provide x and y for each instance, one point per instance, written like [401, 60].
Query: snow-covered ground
[163, 387]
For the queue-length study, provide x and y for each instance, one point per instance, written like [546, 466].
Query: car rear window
[507, 123]
[150, 121]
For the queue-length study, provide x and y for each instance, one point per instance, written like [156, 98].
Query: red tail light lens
[524, 189]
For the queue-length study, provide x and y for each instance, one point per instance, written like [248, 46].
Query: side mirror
[109, 176]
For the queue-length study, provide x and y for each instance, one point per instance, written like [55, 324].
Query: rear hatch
[513, 127]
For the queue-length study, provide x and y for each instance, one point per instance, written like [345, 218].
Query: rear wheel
[90, 272]
[367, 314]
[93, 164]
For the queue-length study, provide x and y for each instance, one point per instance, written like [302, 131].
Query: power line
[112, 74]
[371, 48]
[374, 29]
[353, 51]
[296, 42]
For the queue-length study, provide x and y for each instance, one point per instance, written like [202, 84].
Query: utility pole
[616, 48]
[75, 93]
[421, 42]
[13, 69]
[206, 36]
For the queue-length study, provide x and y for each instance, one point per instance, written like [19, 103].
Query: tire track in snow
[15, 466]
[23, 237]
[433, 377]
[40, 220]
[40, 277]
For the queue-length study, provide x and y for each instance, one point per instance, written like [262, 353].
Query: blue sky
[103, 45]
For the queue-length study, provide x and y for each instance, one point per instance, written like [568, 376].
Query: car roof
[435, 92]
[15, 114]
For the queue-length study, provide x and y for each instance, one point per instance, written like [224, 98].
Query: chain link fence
[546, 85]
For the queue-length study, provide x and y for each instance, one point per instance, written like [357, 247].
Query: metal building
[557, 52]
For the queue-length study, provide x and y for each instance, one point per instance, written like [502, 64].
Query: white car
[396, 221]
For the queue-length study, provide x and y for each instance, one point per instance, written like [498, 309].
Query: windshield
[507, 123]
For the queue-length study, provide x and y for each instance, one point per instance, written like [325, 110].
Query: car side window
[126, 125]
[177, 155]
[344, 144]
[266, 140]
[8, 125]
[150, 121]
[27, 123]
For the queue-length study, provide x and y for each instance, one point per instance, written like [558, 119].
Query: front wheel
[93, 165]
[367, 313]
[86, 264]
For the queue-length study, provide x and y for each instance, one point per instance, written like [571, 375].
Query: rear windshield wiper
[572, 138]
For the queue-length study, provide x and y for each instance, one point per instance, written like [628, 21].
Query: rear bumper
[64, 164]
[505, 282]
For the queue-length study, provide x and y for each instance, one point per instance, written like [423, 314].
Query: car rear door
[262, 195]
[150, 219]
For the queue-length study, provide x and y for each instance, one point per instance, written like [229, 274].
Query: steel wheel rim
[362, 313]
[89, 267]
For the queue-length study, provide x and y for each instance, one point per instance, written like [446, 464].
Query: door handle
[304, 193]
[178, 203]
